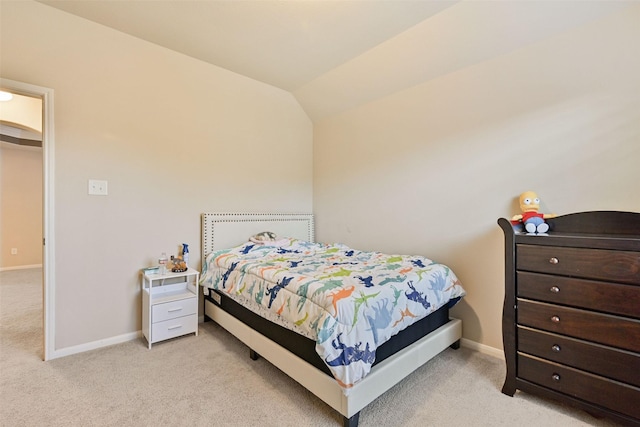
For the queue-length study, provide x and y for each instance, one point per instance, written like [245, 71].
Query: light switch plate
[97, 187]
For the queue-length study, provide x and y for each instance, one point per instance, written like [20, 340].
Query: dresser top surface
[596, 229]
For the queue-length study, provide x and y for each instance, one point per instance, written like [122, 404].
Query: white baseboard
[68, 351]
[21, 267]
[482, 348]
[94, 345]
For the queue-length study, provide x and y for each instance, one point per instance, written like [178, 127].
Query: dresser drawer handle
[555, 289]
[170, 328]
[553, 260]
[173, 310]
[556, 348]
[555, 319]
[555, 377]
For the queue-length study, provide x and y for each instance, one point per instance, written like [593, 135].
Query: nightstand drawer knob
[556, 348]
[555, 319]
[553, 260]
[555, 377]
[555, 289]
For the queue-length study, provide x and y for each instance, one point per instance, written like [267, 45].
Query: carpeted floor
[209, 380]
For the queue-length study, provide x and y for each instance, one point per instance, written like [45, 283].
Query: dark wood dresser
[571, 315]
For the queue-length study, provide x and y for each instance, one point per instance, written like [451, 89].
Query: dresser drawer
[609, 362]
[174, 327]
[173, 309]
[597, 327]
[602, 296]
[582, 385]
[608, 265]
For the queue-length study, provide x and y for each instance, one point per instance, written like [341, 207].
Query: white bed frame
[225, 230]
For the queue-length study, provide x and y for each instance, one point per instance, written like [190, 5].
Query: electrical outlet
[14, 251]
[97, 187]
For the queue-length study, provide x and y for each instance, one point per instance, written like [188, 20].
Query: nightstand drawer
[601, 296]
[608, 265]
[173, 309]
[597, 327]
[598, 359]
[174, 327]
[592, 388]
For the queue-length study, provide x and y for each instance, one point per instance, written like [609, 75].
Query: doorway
[48, 241]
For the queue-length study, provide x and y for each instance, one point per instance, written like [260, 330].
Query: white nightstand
[169, 305]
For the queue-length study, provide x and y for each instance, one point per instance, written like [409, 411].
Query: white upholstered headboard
[226, 230]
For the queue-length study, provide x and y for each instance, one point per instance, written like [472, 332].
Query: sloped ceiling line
[335, 55]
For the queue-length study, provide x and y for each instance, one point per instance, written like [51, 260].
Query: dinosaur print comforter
[348, 300]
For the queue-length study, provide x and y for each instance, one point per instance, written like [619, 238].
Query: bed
[322, 313]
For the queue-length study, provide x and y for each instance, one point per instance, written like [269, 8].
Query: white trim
[21, 267]
[94, 345]
[48, 214]
[482, 348]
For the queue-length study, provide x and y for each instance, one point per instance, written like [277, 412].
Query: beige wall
[173, 137]
[20, 206]
[430, 169]
[425, 170]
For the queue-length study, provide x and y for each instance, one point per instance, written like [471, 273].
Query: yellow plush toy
[532, 220]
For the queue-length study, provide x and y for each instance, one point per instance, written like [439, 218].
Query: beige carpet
[209, 380]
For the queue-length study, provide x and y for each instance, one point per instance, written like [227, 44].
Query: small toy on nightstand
[179, 265]
[533, 221]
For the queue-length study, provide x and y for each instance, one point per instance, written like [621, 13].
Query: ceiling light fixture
[5, 96]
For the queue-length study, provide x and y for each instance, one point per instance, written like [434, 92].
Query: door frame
[48, 211]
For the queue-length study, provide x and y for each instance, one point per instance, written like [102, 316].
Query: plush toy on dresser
[533, 221]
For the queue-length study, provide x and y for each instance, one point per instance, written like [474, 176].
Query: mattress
[349, 302]
[304, 347]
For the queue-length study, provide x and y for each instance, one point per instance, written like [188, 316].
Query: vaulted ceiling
[333, 55]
